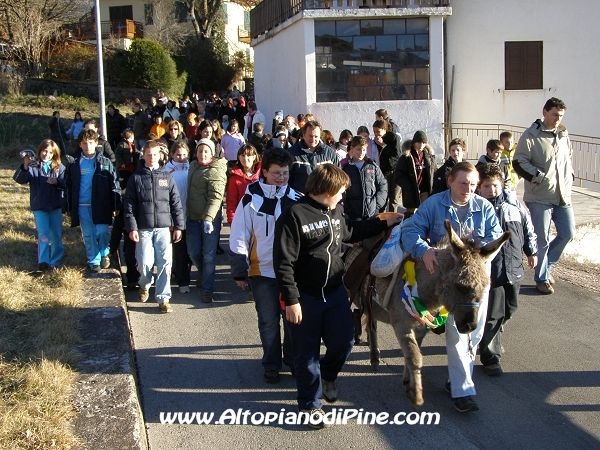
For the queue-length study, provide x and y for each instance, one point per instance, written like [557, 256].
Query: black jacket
[305, 161]
[141, 125]
[390, 152]
[440, 176]
[307, 246]
[405, 176]
[367, 192]
[115, 125]
[106, 193]
[152, 201]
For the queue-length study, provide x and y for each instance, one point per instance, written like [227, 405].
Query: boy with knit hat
[415, 171]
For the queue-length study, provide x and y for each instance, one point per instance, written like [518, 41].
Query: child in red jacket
[245, 171]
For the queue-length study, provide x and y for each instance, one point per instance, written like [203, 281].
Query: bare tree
[32, 25]
[203, 13]
[165, 29]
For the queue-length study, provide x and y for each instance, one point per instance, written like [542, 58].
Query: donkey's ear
[455, 241]
[491, 249]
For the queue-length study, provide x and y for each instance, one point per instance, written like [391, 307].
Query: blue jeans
[95, 237]
[154, 247]
[49, 230]
[202, 248]
[549, 252]
[266, 302]
[331, 321]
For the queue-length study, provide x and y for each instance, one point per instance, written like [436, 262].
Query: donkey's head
[466, 277]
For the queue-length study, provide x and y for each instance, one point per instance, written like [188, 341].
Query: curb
[109, 415]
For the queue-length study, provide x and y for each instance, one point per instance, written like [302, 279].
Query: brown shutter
[523, 65]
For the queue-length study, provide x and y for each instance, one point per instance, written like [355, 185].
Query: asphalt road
[206, 358]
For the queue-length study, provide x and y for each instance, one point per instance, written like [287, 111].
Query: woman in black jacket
[58, 133]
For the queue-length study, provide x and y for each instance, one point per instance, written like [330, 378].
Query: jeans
[502, 305]
[49, 230]
[461, 349]
[549, 252]
[268, 309]
[95, 237]
[330, 320]
[202, 248]
[154, 247]
[139, 143]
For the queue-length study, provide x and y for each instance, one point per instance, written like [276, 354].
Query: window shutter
[523, 65]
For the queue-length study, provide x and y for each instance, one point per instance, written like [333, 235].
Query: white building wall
[476, 34]
[235, 19]
[291, 85]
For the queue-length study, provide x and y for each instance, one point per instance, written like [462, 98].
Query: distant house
[343, 59]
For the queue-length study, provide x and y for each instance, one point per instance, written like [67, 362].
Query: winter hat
[420, 136]
[208, 142]
[280, 133]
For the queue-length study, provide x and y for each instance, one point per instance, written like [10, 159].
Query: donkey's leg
[357, 322]
[374, 352]
[413, 363]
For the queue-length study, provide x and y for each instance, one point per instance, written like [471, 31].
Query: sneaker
[143, 295]
[165, 307]
[465, 404]
[316, 418]
[329, 389]
[250, 297]
[493, 370]
[94, 268]
[207, 297]
[448, 387]
[184, 289]
[271, 376]
[42, 267]
[105, 262]
[544, 287]
[551, 280]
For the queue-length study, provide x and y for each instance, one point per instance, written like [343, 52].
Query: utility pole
[100, 69]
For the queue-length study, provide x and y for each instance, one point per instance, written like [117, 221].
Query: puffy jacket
[152, 201]
[307, 247]
[236, 188]
[253, 228]
[106, 193]
[389, 152]
[43, 196]
[405, 176]
[141, 125]
[441, 175]
[480, 223]
[179, 172]
[367, 192]
[543, 158]
[305, 161]
[206, 189]
[507, 266]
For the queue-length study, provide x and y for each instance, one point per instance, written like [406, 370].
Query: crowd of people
[162, 177]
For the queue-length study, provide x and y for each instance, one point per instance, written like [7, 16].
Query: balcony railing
[86, 30]
[243, 35]
[586, 149]
[270, 13]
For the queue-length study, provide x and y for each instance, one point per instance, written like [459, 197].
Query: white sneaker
[184, 289]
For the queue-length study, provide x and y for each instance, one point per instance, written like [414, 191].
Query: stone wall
[88, 90]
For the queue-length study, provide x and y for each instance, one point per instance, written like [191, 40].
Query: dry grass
[38, 329]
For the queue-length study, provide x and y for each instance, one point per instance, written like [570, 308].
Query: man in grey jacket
[543, 159]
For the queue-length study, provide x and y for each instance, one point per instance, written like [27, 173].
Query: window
[148, 14]
[372, 59]
[523, 65]
[181, 12]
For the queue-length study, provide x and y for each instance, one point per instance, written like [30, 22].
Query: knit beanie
[208, 142]
[420, 136]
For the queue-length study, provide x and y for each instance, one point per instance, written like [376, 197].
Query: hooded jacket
[405, 175]
[368, 189]
[253, 228]
[543, 158]
[152, 201]
[307, 247]
[206, 189]
[43, 196]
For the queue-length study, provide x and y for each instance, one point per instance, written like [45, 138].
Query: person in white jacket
[253, 116]
[251, 245]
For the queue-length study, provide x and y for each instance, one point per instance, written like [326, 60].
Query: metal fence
[586, 149]
[270, 13]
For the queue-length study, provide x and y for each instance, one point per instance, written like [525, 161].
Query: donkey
[458, 284]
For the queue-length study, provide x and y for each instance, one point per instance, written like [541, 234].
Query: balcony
[119, 29]
[243, 35]
[270, 13]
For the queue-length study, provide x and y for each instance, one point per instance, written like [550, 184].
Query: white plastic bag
[390, 255]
